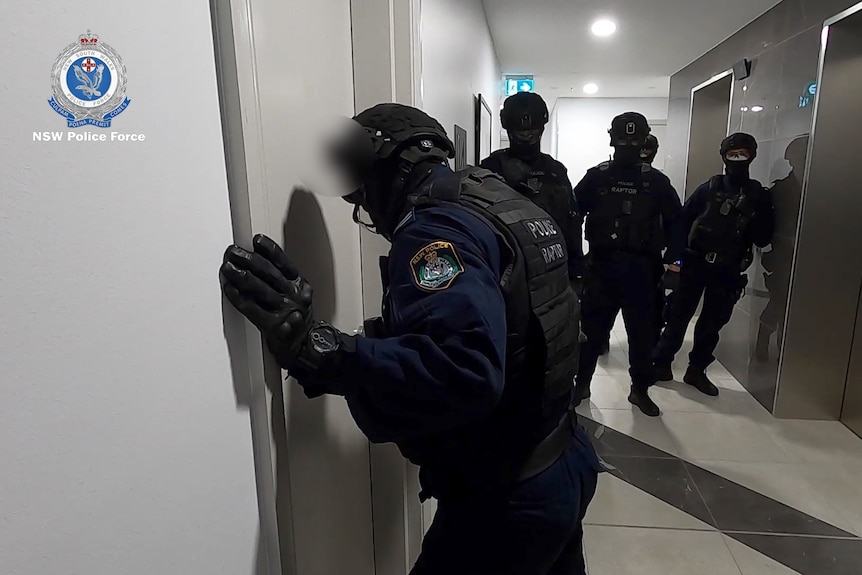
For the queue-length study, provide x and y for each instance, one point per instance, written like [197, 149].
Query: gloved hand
[267, 289]
[670, 278]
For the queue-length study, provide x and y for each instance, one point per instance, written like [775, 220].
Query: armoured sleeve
[693, 208]
[445, 366]
[675, 232]
[763, 223]
[584, 194]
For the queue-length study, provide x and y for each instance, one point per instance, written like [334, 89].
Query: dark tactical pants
[720, 287]
[620, 282]
[534, 528]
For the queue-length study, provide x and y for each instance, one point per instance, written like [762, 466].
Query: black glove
[670, 280]
[266, 288]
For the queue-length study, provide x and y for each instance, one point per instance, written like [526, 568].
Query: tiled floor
[717, 485]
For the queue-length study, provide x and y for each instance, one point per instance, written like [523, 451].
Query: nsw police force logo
[89, 83]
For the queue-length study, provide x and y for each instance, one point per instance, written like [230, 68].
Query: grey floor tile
[664, 478]
[808, 555]
[608, 441]
[737, 508]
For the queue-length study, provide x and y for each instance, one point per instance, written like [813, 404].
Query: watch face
[324, 339]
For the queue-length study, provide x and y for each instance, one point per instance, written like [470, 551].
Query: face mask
[627, 155]
[648, 155]
[525, 138]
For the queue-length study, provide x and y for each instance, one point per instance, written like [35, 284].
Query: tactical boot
[663, 372]
[697, 379]
[641, 399]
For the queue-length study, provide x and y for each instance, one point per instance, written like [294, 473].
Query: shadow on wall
[299, 424]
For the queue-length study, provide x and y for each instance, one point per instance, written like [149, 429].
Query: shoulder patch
[436, 266]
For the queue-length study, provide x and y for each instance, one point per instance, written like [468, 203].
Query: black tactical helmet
[380, 154]
[524, 111]
[739, 141]
[629, 129]
[651, 143]
[389, 131]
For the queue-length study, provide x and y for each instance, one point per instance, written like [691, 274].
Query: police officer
[537, 175]
[669, 280]
[648, 154]
[725, 217]
[469, 370]
[632, 213]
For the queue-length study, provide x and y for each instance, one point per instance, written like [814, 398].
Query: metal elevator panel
[827, 271]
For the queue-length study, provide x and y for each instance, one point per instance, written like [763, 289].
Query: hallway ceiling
[551, 40]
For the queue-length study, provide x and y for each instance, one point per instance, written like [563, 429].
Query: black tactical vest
[626, 216]
[542, 321]
[722, 228]
[544, 183]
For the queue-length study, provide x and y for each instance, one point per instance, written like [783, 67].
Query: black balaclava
[395, 147]
[524, 116]
[649, 150]
[737, 152]
[628, 133]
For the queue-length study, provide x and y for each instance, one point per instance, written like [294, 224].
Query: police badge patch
[89, 83]
[436, 266]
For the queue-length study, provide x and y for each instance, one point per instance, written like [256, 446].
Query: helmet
[378, 154]
[739, 141]
[387, 131]
[524, 111]
[629, 129]
[651, 142]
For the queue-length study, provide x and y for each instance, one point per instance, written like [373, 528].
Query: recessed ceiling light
[757, 108]
[590, 88]
[745, 88]
[603, 27]
[743, 109]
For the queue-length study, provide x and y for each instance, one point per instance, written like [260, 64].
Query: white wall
[459, 62]
[582, 124]
[123, 449]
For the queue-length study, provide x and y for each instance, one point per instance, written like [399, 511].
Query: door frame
[694, 90]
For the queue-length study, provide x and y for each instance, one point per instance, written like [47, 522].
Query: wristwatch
[324, 346]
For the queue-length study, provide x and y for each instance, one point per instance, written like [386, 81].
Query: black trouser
[721, 287]
[617, 282]
[534, 528]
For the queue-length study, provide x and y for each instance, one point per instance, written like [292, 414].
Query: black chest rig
[626, 217]
[541, 317]
[720, 233]
[544, 183]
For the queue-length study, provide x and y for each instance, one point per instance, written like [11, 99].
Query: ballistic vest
[544, 182]
[722, 227]
[542, 320]
[626, 216]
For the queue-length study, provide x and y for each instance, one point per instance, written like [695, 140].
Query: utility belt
[546, 453]
[549, 450]
[715, 258]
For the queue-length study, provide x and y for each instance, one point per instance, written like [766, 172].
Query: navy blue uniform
[626, 280]
[719, 282]
[431, 384]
